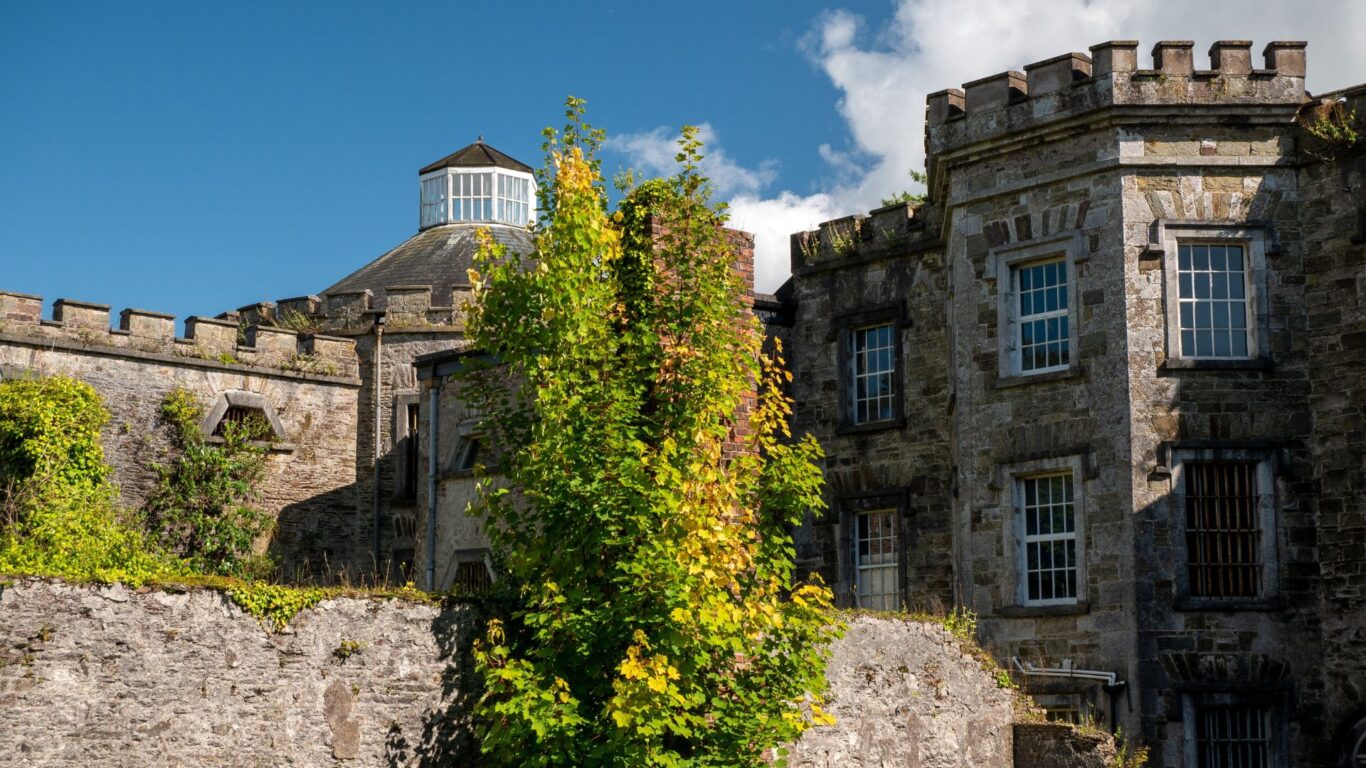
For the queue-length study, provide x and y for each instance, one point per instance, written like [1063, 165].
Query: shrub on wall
[59, 514]
[203, 506]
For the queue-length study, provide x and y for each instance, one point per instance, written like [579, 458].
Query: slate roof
[437, 256]
[477, 155]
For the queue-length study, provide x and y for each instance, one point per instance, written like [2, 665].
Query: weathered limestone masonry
[415, 323]
[1333, 224]
[105, 676]
[852, 273]
[1093, 175]
[305, 384]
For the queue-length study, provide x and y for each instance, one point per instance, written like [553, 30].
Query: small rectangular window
[1043, 340]
[873, 357]
[410, 452]
[875, 560]
[1213, 298]
[1223, 528]
[1233, 736]
[1050, 538]
[472, 577]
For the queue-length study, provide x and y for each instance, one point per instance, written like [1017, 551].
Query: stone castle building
[1105, 386]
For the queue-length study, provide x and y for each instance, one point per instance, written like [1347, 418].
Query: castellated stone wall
[307, 382]
[107, 676]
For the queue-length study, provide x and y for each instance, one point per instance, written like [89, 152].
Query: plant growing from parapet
[655, 619]
[203, 507]
[906, 196]
[1335, 131]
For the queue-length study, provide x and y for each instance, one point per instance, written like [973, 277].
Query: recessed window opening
[875, 560]
[1042, 316]
[1212, 293]
[1223, 528]
[1233, 736]
[410, 452]
[472, 577]
[873, 356]
[245, 420]
[1050, 538]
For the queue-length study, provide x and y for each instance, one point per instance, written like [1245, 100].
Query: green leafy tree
[203, 508]
[641, 519]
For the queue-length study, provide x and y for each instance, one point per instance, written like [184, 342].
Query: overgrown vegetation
[202, 509]
[906, 196]
[60, 516]
[641, 526]
[59, 513]
[1336, 131]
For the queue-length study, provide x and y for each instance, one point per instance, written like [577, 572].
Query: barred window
[875, 560]
[873, 356]
[1233, 736]
[1213, 298]
[247, 421]
[1050, 539]
[1223, 528]
[472, 577]
[1043, 342]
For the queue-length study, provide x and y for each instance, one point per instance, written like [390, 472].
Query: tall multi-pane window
[1233, 736]
[1223, 528]
[1049, 557]
[873, 358]
[514, 199]
[1041, 315]
[875, 560]
[483, 195]
[1212, 292]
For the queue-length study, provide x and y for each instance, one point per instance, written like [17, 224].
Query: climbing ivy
[641, 526]
[58, 509]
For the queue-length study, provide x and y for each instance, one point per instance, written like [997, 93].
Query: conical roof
[438, 256]
[477, 155]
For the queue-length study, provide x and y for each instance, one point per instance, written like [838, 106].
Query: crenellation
[304, 306]
[212, 335]
[151, 326]
[273, 345]
[347, 308]
[1056, 74]
[945, 105]
[994, 92]
[80, 314]
[1231, 57]
[1114, 57]
[1173, 58]
[1285, 58]
[254, 314]
[19, 308]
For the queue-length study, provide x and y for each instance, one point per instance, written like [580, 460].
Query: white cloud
[885, 75]
[654, 152]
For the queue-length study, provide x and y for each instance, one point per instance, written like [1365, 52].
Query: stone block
[19, 308]
[1114, 56]
[1057, 73]
[81, 314]
[1286, 57]
[143, 324]
[994, 92]
[212, 335]
[1231, 57]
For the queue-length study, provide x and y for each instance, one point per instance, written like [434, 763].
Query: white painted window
[1042, 322]
[434, 200]
[872, 357]
[875, 560]
[514, 199]
[1037, 289]
[477, 195]
[1049, 552]
[1212, 291]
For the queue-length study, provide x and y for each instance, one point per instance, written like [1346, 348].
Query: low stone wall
[108, 676]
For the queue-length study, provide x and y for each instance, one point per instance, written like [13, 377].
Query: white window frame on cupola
[475, 196]
[1006, 264]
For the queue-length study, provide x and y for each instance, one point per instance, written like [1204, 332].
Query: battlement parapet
[882, 233]
[1073, 84]
[407, 308]
[236, 338]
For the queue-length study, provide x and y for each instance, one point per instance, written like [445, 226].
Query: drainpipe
[378, 379]
[1110, 683]
[433, 428]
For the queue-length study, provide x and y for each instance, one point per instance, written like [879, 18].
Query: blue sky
[195, 157]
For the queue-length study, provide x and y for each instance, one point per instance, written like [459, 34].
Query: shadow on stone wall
[448, 737]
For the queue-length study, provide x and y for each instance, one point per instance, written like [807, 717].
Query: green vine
[275, 605]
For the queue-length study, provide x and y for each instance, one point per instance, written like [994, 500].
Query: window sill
[1079, 608]
[870, 426]
[1215, 605]
[1022, 379]
[1201, 364]
[270, 446]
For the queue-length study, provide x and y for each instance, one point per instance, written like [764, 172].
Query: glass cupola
[477, 184]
